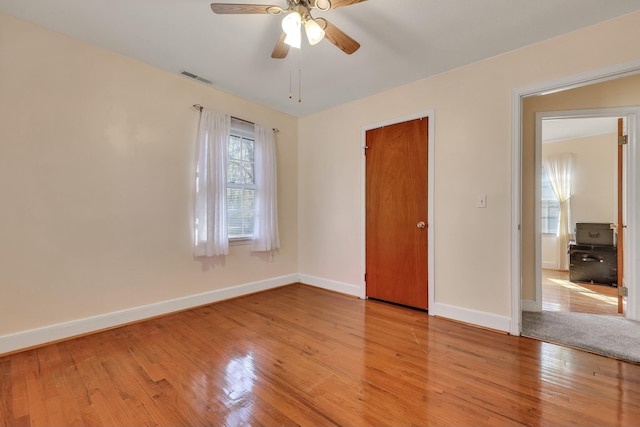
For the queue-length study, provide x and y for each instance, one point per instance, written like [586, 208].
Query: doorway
[522, 235]
[576, 326]
[580, 152]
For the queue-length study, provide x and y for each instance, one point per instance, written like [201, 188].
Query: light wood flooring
[559, 294]
[298, 355]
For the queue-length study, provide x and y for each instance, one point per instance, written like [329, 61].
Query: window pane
[234, 211]
[550, 207]
[248, 214]
[235, 148]
[247, 173]
[234, 172]
[240, 210]
[550, 216]
[547, 191]
[247, 150]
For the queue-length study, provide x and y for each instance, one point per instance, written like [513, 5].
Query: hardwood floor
[298, 355]
[559, 294]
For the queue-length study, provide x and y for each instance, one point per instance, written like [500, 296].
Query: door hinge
[365, 277]
[623, 140]
[623, 291]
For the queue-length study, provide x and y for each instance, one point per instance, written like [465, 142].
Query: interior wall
[96, 168]
[472, 156]
[622, 92]
[549, 249]
[595, 187]
[594, 184]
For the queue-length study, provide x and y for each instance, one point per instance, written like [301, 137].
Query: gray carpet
[605, 335]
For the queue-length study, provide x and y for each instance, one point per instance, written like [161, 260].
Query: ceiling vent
[196, 77]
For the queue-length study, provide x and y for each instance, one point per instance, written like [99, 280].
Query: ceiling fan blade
[234, 8]
[281, 49]
[337, 37]
[341, 3]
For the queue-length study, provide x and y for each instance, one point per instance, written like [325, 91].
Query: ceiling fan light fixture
[291, 25]
[315, 33]
[295, 15]
[293, 40]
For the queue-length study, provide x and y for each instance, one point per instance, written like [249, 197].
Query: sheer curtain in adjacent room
[559, 170]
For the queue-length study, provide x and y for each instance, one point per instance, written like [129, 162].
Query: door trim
[430, 114]
[542, 88]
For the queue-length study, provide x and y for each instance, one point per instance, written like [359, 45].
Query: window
[241, 183]
[550, 207]
[235, 185]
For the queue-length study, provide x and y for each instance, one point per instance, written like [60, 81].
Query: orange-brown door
[396, 213]
[620, 224]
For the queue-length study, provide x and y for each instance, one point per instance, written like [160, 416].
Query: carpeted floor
[611, 336]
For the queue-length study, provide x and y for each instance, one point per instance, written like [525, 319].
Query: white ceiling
[402, 40]
[574, 128]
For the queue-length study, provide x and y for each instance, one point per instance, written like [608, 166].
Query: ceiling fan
[298, 15]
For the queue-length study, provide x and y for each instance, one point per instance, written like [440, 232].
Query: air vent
[196, 77]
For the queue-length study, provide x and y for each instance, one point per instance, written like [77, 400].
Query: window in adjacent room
[550, 207]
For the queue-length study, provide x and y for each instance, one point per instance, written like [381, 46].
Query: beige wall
[594, 176]
[96, 166]
[473, 141]
[594, 184]
[623, 92]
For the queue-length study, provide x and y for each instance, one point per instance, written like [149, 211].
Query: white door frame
[430, 114]
[633, 154]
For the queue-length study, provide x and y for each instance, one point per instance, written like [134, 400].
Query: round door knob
[421, 224]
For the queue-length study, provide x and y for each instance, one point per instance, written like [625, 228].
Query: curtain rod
[200, 107]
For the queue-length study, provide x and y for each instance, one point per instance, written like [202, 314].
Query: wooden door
[396, 213]
[620, 218]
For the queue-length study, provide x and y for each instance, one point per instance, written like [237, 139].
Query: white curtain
[265, 228]
[210, 209]
[559, 169]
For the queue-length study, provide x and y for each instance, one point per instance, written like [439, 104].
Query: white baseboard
[39, 336]
[550, 265]
[332, 285]
[34, 337]
[479, 318]
[487, 320]
[531, 305]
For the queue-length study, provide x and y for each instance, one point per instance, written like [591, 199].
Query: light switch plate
[481, 201]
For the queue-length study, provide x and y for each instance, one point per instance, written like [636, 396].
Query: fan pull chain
[290, 91]
[299, 75]
[300, 84]
[299, 81]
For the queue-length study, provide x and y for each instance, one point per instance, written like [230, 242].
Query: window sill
[239, 241]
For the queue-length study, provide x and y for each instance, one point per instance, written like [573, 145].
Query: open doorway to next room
[578, 207]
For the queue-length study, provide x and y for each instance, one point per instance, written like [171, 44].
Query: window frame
[245, 131]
